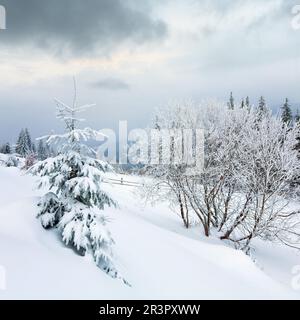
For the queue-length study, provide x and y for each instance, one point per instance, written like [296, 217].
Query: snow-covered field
[159, 258]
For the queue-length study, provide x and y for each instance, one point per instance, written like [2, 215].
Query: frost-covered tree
[28, 140]
[247, 103]
[75, 199]
[297, 117]
[21, 145]
[297, 146]
[244, 190]
[265, 164]
[30, 160]
[169, 169]
[262, 108]
[243, 104]
[286, 112]
[6, 148]
[24, 145]
[42, 150]
[230, 104]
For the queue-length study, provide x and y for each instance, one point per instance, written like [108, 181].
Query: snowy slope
[154, 252]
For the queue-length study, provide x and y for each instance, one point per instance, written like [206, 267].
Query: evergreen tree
[262, 108]
[297, 117]
[247, 103]
[286, 114]
[7, 148]
[30, 143]
[28, 140]
[75, 198]
[42, 151]
[230, 104]
[243, 104]
[297, 123]
[24, 145]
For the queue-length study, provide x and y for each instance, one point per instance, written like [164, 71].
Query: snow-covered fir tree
[42, 150]
[28, 140]
[243, 104]
[297, 117]
[6, 148]
[75, 199]
[262, 108]
[231, 102]
[25, 146]
[21, 146]
[286, 115]
[247, 103]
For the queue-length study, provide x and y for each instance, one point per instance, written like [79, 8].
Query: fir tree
[243, 104]
[21, 145]
[286, 114]
[297, 123]
[297, 117]
[262, 108]
[28, 140]
[24, 146]
[75, 198]
[230, 104]
[247, 103]
[7, 148]
[42, 151]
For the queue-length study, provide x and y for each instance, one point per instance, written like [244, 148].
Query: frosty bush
[75, 199]
[29, 161]
[244, 190]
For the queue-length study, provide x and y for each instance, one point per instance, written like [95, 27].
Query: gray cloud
[78, 27]
[110, 84]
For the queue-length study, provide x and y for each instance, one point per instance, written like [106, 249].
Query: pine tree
[297, 123]
[262, 108]
[297, 117]
[247, 103]
[286, 114]
[243, 104]
[24, 146]
[75, 198]
[7, 148]
[42, 151]
[230, 104]
[28, 140]
[21, 145]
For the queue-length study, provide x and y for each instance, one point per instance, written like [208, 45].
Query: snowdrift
[156, 255]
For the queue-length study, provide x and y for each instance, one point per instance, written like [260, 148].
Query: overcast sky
[132, 56]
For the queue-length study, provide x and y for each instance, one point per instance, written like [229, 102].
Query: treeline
[26, 148]
[287, 115]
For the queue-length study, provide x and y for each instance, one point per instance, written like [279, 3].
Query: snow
[154, 253]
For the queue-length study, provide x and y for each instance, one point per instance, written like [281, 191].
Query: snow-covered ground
[159, 258]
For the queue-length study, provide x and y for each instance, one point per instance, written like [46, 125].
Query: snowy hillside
[154, 253]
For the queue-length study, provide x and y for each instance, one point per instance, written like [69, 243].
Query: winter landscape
[193, 192]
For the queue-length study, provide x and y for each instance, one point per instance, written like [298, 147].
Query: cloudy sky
[131, 56]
